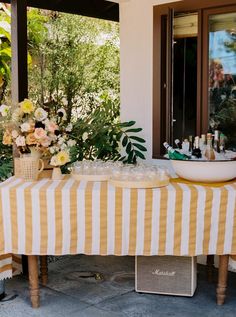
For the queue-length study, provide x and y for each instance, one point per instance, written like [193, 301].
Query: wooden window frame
[161, 95]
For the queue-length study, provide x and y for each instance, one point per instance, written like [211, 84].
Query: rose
[14, 134]
[45, 142]
[40, 114]
[30, 139]
[51, 126]
[7, 138]
[26, 106]
[40, 133]
[20, 141]
[25, 127]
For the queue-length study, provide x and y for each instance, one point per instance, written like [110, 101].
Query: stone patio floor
[72, 292]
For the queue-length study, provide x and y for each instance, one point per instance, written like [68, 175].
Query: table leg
[33, 280]
[44, 269]
[222, 279]
[210, 268]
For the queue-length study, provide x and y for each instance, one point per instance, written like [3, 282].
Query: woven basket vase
[30, 167]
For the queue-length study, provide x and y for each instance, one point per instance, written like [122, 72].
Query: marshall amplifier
[170, 275]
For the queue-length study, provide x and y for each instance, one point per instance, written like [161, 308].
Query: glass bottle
[190, 139]
[216, 145]
[222, 143]
[209, 153]
[178, 144]
[173, 154]
[196, 150]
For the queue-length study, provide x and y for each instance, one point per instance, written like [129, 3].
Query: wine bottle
[185, 146]
[209, 153]
[196, 150]
[222, 143]
[190, 139]
[216, 144]
[174, 154]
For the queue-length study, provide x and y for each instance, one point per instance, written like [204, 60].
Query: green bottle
[175, 155]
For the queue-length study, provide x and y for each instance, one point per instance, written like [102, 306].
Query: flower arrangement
[31, 127]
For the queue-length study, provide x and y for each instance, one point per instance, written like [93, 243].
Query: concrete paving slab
[67, 294]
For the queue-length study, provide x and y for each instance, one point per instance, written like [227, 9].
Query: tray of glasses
[154, 183]
[91, 177]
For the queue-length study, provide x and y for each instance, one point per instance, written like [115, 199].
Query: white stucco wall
[136, 35]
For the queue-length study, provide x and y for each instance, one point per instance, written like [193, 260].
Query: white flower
[61, 141]
[62, 113]
[63, 146]
[64, 101]
[40, 114]
[20, 141]
[54, 161]
[17, 114]
[14, 134]
[69, 127]
[71, 143]
[4, 109]
[25, 127]
[85, 136]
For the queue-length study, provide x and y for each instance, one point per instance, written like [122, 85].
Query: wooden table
[95, 218]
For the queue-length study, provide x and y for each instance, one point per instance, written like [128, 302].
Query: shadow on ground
[75, 289]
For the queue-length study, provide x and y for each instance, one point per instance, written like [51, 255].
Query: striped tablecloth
[70, 217]
[10, 265]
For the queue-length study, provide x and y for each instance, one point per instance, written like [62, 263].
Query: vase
[35, 153]
[56, 173]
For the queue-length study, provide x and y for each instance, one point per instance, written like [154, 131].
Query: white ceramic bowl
[205, 171]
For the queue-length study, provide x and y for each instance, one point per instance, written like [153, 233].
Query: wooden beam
[19, 76]
[100, 9]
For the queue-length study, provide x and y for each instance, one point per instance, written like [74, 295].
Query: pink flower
[20, 141]
[52, 126]
[40, 133]
[45, 142]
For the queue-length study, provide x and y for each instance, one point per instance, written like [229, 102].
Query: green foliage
[75, 59]
[99, 136]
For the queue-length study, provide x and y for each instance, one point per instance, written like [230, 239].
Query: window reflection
[222, 75]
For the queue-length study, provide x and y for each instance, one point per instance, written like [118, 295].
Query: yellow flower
[27, 106]
[62, 158]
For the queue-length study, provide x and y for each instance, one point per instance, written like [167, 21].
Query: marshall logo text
[163, 273]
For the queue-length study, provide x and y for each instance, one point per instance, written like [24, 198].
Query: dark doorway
[184, 87]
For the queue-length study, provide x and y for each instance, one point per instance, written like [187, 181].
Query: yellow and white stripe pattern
[70, 217]
[10, 265]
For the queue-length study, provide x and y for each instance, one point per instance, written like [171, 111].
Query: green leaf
[140, 147]
[127, 124]
[134, 130]
[136, 138]
[125, 141]
[128, 148]
[130, 157]
[139, 154]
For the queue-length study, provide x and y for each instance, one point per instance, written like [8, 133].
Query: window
[194, 71]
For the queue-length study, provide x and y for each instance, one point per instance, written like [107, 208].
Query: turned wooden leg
[33, 280]
[44, 269]
[222, 279]
[210, 268]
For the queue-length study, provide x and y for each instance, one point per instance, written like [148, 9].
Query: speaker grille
[166, 275]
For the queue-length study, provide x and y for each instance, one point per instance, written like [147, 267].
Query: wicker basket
[30, 167]
[17, 167]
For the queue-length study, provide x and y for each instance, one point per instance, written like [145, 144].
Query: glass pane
[185, 75]
[222, 75]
